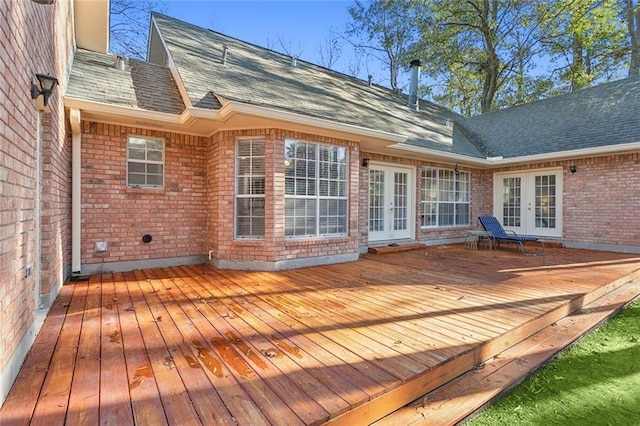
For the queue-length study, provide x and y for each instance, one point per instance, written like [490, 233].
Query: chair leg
[544, 250]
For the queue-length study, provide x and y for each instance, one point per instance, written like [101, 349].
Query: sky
[303, 25]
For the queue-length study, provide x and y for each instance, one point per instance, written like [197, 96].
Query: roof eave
[493, 162]
[301, 119]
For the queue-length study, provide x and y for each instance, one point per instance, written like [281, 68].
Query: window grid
[376, 200]
[545, 201]
[445, 197]
[250, 188]
[145, 162]
[316, 185]
[511, 202]
[400, 206]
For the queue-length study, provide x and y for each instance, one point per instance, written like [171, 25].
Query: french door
[390, 203]
[530, 202]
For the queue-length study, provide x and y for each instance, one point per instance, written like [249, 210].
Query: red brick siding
[481, 196]
[33, 39]
[274, 247]
[601, 200]
[175, 216]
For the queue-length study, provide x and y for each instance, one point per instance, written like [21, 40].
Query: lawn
[595, 382]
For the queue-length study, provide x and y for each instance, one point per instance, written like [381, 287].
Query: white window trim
[423, 202]
[318, 197]
[236, 193]
[162, 163]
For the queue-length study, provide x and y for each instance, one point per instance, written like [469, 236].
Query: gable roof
[606, 115]
[142, 85]
[257, 76]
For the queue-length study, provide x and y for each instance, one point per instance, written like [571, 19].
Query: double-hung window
[316, 182]
[444, 197]
[250, 188]
[145, 162]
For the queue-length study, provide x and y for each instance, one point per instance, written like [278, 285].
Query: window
[445, 197]
[315, 189]
[250, 188]
[145, 162]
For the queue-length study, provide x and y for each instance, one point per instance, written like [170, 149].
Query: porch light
[573, 168]
[47, 84]
[365, 162]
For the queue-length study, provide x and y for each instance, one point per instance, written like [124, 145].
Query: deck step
[394, 248]
[462, 397]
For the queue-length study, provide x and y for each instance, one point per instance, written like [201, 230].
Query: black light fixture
[457, 172]
[47, 84]
[573, 168]
[365, 162]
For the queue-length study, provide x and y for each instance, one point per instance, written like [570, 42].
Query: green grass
[595, 382]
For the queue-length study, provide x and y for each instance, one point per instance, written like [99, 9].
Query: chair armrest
[508, 231]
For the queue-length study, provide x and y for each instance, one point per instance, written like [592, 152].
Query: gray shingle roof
[259, 76]
[141, 85]
[604, 115]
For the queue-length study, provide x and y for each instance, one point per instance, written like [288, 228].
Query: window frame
[250, 195]
[314, 194]
[146, 162]
[459, 191]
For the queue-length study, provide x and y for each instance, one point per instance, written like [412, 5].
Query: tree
[330, 51]
[632, 19]
[586, 41]
[384, 28]
[129, 29]
[488, 45]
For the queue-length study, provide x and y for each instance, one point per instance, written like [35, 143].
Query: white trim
[411, 201]
[243, 108]
[160, 120]
[76, 190]
[528, 194]
[491, 162]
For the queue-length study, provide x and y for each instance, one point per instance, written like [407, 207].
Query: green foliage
[482, 55]
[596, 382]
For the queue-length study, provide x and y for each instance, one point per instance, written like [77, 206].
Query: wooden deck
[345, 344]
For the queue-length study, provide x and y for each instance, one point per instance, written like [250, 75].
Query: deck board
[344, 344]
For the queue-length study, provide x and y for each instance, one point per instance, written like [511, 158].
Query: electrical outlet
[28, 271]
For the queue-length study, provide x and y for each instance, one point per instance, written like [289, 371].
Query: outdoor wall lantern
[456, 171]
[47, 84]
[573, 168]
[365, 162]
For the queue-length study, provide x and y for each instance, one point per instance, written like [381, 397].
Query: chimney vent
[294, 61]
[413, 85]
[225, 51]
[370, 80]
[119, 63]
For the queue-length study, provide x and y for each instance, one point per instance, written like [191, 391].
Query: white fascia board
[292, 117]
[110, 109]
[500, 161]
[566, 155]
[440, 154]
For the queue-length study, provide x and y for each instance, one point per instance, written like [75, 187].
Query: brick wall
[33, 251]
[274, 247]
[480, 197]
[601, 200]
[175, 216]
